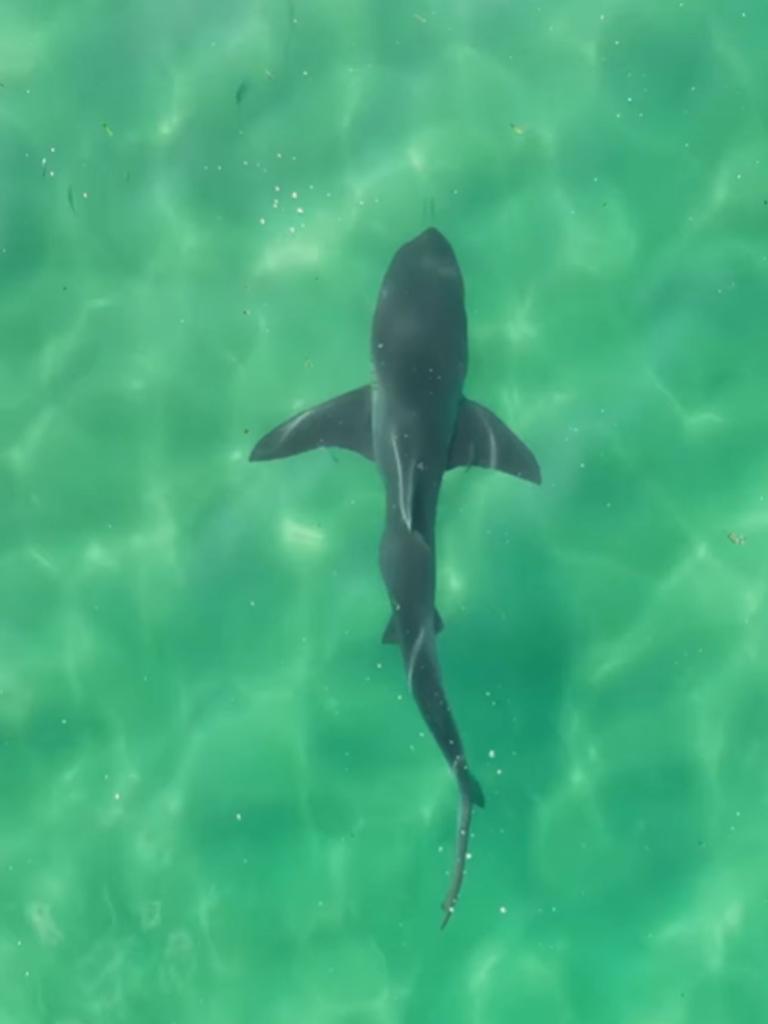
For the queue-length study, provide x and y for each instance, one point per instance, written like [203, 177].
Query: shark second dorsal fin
[481, 439]
[342, 422]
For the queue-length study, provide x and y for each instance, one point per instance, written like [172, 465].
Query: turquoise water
[218, 802]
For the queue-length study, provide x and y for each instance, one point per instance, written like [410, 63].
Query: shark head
[428, 257]
[420, 324]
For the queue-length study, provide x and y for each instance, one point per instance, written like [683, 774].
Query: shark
[415, 423]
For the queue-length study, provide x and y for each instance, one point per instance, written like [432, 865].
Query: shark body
[416, 424]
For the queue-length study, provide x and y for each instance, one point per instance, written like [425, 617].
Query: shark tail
[474, 790]
[462, 845]
[471, 795]
[468, 784]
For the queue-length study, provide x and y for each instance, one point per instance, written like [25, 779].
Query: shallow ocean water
[218, 802]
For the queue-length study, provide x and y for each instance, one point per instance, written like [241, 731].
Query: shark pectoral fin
[391, 634]
[342, 422]
[481, 439]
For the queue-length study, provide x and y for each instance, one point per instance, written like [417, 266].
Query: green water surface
[218, 804]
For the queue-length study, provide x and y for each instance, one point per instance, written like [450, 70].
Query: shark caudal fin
[342, 422]
[473, 789]
[468, 784]
[481, 439]
[470, 795]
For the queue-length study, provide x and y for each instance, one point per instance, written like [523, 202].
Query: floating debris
[518, 129]
[736, 538]
[71, 199]
[107, 129]
[242, 89]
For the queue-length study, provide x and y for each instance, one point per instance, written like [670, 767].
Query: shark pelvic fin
[391, 634]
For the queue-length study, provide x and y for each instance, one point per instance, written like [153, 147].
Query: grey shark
[415, 424]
